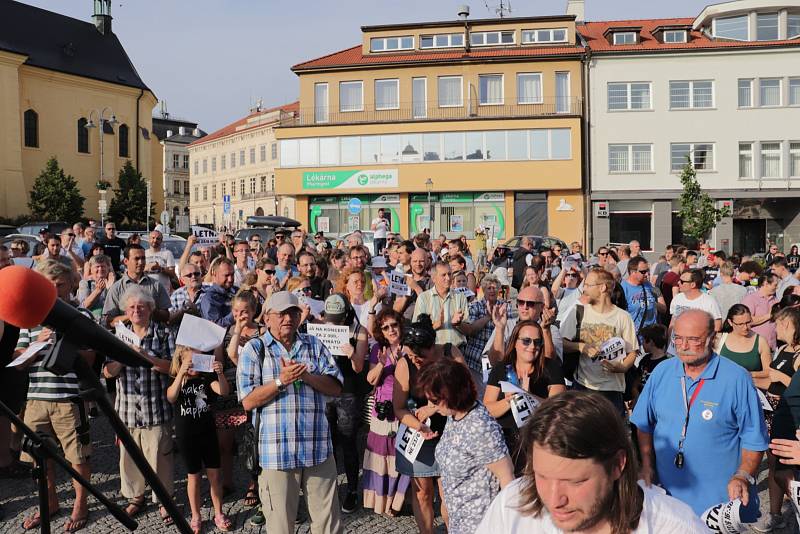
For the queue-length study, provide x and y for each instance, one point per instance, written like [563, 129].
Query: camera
[384, 410]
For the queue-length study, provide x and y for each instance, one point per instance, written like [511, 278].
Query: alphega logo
[363, 179]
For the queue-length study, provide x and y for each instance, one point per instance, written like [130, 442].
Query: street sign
[165, 217]
[102, 207]
[354, 205]
[226, 204]
[601, 209]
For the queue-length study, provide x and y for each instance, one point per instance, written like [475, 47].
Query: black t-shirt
[552, 376]
[783, 362]
[193, 413]
[647, 365]
[113, 249]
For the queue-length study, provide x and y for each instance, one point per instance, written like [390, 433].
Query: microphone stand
[62, 358]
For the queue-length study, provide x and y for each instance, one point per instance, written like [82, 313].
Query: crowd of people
[550, 392]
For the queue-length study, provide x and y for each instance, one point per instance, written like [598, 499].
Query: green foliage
[698, 212]
[55, 196]
[128, 208]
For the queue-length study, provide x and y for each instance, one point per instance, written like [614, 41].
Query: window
[320, 102]
[769, 91]
[691, 95]
[262, 153]
[453, 146]
[491, 38]
[196, 193]
[792, 26]
[186, 188]
[431, 147]
[495, 144]
[490, 89]
[550, 35]
[444, 40]
[370, 149]
[252, 155]
[252, 185]
[214, 164]
[623, 38]
[701, 155]
[309, 152]
[771, 160]
[745, 160]
[83, 136]
[745, 93]
[233, 160]
[350, 150]
[767, 26]
[562, 92]
[329, 151]
[387, 94]
[241, 158]
[185, 161]
[628, 96]
[124, 150]
[205, 166]
[274, 150]
[794, 159]
[736, 28]
[224, 188]
[450, 91]
[390, 148]
[263, 184]
[289, 152]
[222, 160]
[630, 158]
[31, 123]
[674, 36]
[474, 145]
[419, 97]
[176, 161]
[197, 167]
[626, 226]
[794, 91]
[529, 88]
[205, 192]
[233, 188]
[241, 187]
[550, 144]
[517, 141]
[387, 44]
[213, 191]
[351, 96]
[176, 187]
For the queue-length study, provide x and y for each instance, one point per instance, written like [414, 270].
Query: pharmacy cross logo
[363, 179]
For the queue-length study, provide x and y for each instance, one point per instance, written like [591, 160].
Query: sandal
[251, 497]
[135, 506]
[165, 517]
[74, 525]
[196, 525]
[223, 522]
[33, 521]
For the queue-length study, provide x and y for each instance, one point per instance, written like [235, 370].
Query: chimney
[577, 8]
[181, 130]
[102, 16]
[463, 12]
[169, 134]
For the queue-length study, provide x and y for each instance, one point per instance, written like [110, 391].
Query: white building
[723, 88]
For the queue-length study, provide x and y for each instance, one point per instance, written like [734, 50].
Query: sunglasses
[306, 290]
[390, 326]
[253, 250]
[195, 274]
[571, 275]
[16, 248]
[602, 253]
[526, 342]
[686, 281]
[528, 303]
[644, 271]
[269, 271]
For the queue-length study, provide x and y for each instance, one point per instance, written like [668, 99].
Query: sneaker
[258, 518]
[768, 522]
[350, 503]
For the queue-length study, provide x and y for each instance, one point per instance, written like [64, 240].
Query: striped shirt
[293, 430]
[142, 393]
[431, 303]
[44, 385]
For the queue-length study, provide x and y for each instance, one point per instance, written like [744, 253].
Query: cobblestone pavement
[19, 499]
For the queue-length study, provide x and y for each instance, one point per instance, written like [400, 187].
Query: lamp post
[429, 187]
[214, 214]
[101, 121]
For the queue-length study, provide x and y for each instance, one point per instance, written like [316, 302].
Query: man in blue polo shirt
[700, 425]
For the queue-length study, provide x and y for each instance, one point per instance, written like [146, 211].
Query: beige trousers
[156, 445]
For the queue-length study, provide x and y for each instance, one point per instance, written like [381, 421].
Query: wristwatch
[744, 476]
[281, 385]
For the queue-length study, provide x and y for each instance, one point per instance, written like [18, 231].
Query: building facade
[724, 90]
[476, 122]
[232, 171]
[62, 78]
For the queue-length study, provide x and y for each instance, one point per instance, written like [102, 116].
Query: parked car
[173, 243]
[34, 227]
[265, 226]
[32, 241]
[6, 229]
[504, 252]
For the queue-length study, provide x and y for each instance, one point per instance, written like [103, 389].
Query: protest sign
[409, 442]
[126, 334]
[398, 285]
[612, 349]
[205, 236]
[331, 335]
[199, 334]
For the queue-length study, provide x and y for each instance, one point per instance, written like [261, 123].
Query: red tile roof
[238, 126]
[353, 57]
[593, 33]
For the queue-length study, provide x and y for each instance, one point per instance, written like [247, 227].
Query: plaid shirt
[293, 430]
[475, 343]
[180, 297]
[142, 393]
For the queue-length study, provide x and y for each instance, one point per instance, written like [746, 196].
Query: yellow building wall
[156, 176]
[60, 100]
[565, 223]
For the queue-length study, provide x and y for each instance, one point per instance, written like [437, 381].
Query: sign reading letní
[375, 179]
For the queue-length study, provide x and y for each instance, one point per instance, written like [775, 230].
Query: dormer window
[674, 36]
[735, 28]
[442, 40]
[767, 26]
[549, 35]
[389, 44]
[624, 38]
[792, 26]
[491, 38]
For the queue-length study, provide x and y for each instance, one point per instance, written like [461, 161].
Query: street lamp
[429, 187]
[101, 121]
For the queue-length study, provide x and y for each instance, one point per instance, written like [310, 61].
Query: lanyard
[688, 406]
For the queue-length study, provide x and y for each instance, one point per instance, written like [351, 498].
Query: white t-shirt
[381, 228]
[163, 257]
[704, 302]
[661, 514]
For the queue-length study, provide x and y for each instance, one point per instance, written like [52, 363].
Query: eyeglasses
[195, 274]
[306, 290]
[528, 303]
[694, 341]
[16, 248]
[571, 275]
[253, 250]
[390, 326]
[602, 253]
[527, 341]
[111, 227]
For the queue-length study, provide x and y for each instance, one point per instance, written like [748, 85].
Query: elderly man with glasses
[184, 299]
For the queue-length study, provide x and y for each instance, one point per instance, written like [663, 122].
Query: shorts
[200, 451]
[67, 422]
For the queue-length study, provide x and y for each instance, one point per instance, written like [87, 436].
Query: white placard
[522, 407]
[508, 387]
[205, 236]
[467, 292]
[612, 349]
[32, 350]
[398, 285]
[199, 334]
[409, 442]
[486, 367]
[764, 402]
[724, 517]
[316, 306]
[203, 363]
[126, 334]
[331, 335]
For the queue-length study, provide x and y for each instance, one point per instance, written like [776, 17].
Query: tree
[55, 195]
[128, 208]
[698, 212]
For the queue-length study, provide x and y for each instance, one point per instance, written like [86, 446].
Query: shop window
[626, 227]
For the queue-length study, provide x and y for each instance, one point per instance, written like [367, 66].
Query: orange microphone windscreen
[26, 297]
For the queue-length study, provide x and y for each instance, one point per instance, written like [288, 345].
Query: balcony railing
[415, 112]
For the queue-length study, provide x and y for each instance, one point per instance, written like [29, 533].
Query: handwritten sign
[203, 363]
[612, 349]
[32, 350]
[398, 285]
[126, 334]
[205, 236]
[331, 335]
[522, 407]
[409, 442]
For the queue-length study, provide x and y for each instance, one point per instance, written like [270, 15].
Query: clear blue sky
[210, 59]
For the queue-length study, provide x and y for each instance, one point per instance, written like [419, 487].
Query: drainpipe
[585, 126]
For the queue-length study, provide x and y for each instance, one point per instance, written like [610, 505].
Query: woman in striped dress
[384, 488]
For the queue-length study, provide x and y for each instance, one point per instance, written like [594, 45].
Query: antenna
[500, 10]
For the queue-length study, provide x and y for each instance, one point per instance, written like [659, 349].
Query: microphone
[30, 299]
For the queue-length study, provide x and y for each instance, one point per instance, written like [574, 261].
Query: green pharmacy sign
[358, 179]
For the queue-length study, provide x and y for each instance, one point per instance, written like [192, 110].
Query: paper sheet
[331, 335]
[199, 334]
[409, 442]
[32, 350]
[316, 306]
[125, 334]
[764, 402]
[522, 407]
[203, 363]
[398, 285]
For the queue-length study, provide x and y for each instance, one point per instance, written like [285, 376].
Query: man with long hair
[581, 476]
